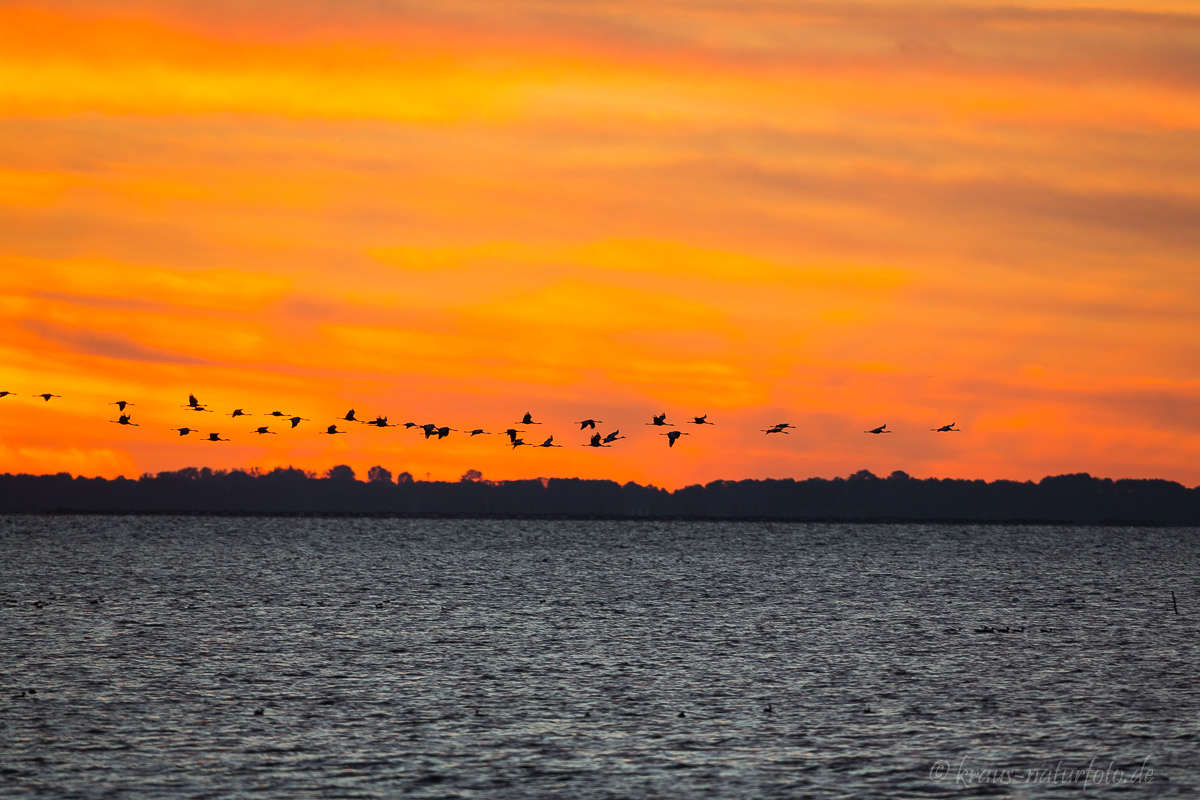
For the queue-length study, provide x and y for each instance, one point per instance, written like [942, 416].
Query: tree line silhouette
[1076, 498]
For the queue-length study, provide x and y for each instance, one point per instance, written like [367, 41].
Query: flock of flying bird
[441, 432]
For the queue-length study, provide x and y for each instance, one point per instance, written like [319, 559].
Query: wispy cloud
[102, 345]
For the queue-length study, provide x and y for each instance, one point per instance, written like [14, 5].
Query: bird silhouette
[5, 394]
[702, 420]
[880, 429]
[612, 437]
[443, 432]
[595, 442]
[661, 420]
[185, 431]
[945, 428]
[512, 434]
[194, 404]
[479, 431]
[216, 437]
[518, 442]
[350, 416]
[124, 420]
[672, 436]
[429, 429]
[263, 429]
[278, 414]
[46, 396]
[237, 412]
[588, 423]
[332, 429]
[527, 420]
[381, 422]
[297, 420]
[120, 404]
[549, 443]
[777, 429]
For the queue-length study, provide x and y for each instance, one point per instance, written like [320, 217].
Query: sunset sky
[835, 214]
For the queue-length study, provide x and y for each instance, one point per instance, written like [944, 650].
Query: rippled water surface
[477, 658]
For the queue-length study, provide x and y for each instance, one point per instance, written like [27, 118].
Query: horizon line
[862, 474]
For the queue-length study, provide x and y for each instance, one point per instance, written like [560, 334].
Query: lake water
[478, 658]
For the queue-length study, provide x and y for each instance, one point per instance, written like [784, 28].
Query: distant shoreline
[860, 498]
[1016, 521]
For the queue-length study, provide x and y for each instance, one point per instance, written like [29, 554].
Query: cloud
[83, 340]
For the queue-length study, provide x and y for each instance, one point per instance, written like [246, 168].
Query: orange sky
[833, 214]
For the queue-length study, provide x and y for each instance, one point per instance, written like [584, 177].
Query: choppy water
[593, 659]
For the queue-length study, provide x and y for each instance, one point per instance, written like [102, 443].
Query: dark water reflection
[531, 658]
